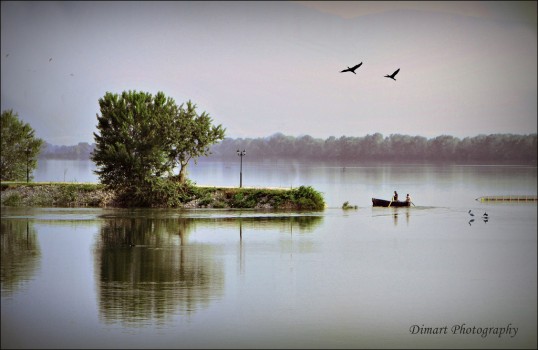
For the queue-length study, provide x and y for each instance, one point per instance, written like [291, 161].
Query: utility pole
[241, 154]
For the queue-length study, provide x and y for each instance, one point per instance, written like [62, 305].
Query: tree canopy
[190, 136]
[142, 138]
[19, 148]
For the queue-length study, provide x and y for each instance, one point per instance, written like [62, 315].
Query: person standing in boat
[395, 197]
[408, 199]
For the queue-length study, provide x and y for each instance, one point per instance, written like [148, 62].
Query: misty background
[260, 68]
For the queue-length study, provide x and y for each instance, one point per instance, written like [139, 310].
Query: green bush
[206, 200]
[67, 195]
[219, 205]
[243, 199]
[13, 200]
[346, 205]
[156, 193]
[308, 198]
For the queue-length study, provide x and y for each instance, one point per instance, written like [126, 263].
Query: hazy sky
[258, 68]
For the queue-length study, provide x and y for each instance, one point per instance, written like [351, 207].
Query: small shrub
[219, 205]
[308, 198]
[67, 195]
[206, 201]
[346, 205]
[243, 199]
[13, 200]
[154, 193]
[238, 198]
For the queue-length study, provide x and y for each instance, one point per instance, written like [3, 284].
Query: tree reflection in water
[148, 270]
[20, 253]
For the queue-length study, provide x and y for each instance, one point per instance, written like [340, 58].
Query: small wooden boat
[384, 203]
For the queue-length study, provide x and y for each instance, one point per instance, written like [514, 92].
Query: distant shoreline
[494, 148]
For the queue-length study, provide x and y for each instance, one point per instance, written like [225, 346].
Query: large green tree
[142, 138]
[129, 145]
[20, 148]
[190, 136]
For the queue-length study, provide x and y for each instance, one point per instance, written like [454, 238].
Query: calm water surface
[109, 278]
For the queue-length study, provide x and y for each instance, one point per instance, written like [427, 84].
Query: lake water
[428, 185]
[364, 278]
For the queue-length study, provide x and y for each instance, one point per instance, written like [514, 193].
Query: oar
[413, 204]
[389, 203]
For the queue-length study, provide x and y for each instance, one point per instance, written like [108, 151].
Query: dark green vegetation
[171, 195]
[144, 136]
[142, 139]
[19, 148]
[301, 198]
[346, 205]
[484, 148]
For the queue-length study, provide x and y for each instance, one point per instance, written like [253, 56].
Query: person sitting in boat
[395, 197]
[408, 198]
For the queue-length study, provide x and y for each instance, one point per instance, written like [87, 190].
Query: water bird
[485, 215]
[471, 221]
[470, 213]
[352, 69]
[393, 74]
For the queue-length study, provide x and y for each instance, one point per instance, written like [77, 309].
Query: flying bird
[352, 69]
[50, 59]
[471, 213]
[485, 215]
[393, 74]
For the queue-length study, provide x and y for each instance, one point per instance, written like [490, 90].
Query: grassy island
[69, 195]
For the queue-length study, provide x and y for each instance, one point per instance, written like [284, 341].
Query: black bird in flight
[393, 74]
[471, 213]
[352, 69]
[50, 59]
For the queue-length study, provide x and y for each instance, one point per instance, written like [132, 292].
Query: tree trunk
[182, 177]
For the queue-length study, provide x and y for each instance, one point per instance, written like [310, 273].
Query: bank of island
[70, 195]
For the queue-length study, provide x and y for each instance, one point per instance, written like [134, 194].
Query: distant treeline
[396, 147]
[81, 151]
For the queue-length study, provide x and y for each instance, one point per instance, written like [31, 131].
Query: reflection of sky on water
[231, 278]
